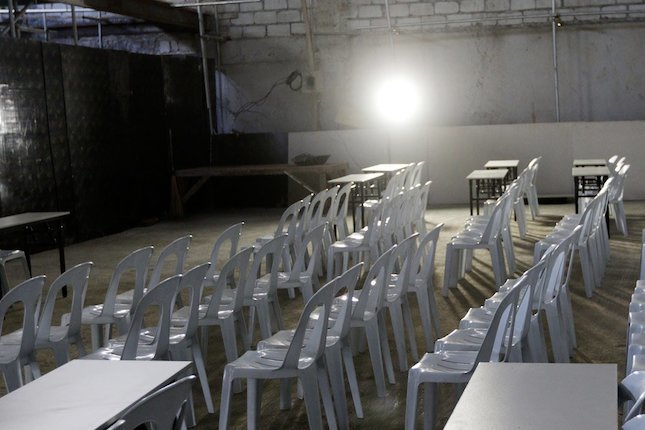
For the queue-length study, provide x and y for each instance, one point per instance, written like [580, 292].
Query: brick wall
[283, 18]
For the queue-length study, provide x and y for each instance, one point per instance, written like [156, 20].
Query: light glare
[397, 100]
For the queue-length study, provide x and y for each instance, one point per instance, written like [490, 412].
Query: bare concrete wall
[470, 77]
[451, 153]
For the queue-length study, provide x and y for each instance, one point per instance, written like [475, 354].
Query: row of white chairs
[508, 327]
[593, 242]
[631, 389]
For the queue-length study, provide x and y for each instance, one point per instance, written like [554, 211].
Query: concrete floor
[600, 321]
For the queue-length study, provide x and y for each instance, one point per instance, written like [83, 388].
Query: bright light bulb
[397, 100]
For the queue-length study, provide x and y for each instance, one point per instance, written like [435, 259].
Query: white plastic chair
[223, 313]
[164, 408]
[396, 299]
[470, 335]
[59, 337]
[363, 244]
[109, 312]
[368, 314]
[175, 250]
[338, 218]
[337, 349]
[531, 190]
[184, 343]
[262, 298]
[14, 355]
[301, 360]
[615, 199]
[635, 423]
[5, 257]
[534, 349]
[230, 237]
[162, 299]
[422, 285]
[302, 272]
[457, 367]
[460, 246]
[557, 300]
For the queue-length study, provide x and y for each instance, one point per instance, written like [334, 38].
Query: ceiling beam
[147, 10]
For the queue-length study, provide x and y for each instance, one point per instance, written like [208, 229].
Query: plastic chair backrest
[310, 347]
[288, 217]
[558, 265]
[163, 297]
[164, 408]
[493, 347]
[231, 236]
[138, 261]
[531, 283]
[27, 293]
[642, 274]
[308, 253]
[370, 299]
[315, 210]
[232, 276]
[339, 211]
[344, 285]
[77, 278]
[616, 191]
[400, 261]
[496, 220]
[178, 249]
[192, 282]
[423, 266]
[414, 178]
[271, 254]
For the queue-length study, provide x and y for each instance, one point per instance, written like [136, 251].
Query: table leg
[470, 195]
[576, 182]
[61, 252]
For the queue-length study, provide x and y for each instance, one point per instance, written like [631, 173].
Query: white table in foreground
[85, 394]
[538, 396]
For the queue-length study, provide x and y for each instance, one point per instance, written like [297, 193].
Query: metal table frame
[485, 184]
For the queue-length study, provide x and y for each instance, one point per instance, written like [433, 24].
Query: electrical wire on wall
[293, 81]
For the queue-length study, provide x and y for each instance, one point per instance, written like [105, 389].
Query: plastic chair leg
[253, 401]
[429, 405]
[385, 346]
[348, 361]
[407, 318]
[334, 364]
[399, 335]
[426, 317]
[325, 393]
[374, 345]
[312, 400]
[411, 400]
[200, 366]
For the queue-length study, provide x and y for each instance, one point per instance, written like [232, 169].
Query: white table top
[579, 162]
[538, 396]
[27, 218]
[590, 171]
[488, 174]
[385, 168]
[84, 394]
[496, 164]
[356, 177]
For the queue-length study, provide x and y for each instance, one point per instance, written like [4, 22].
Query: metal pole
[45, 26]
[12, 19]
[207, 85]
[74, 26]
[389, 25]
[99, 29]
[312, 61]
[554, 25]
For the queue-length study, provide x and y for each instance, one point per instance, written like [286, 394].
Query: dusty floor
[600, 321]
